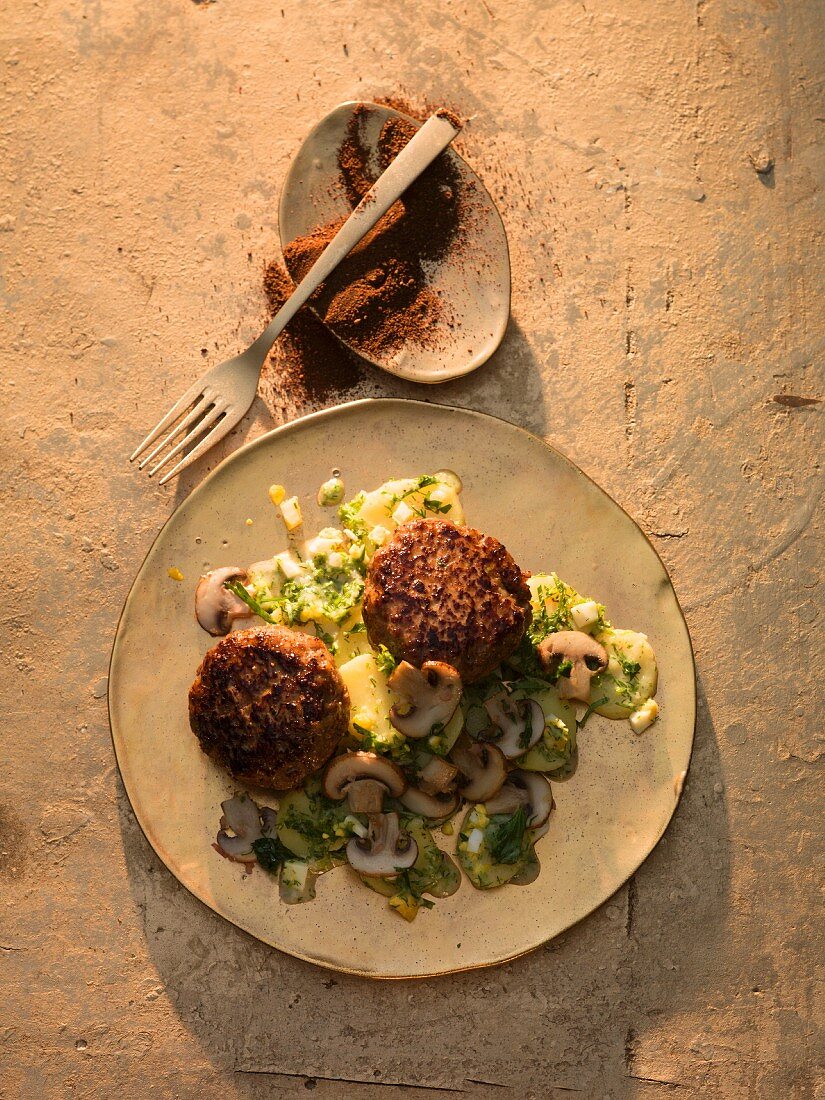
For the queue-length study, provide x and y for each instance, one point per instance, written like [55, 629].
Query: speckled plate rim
[238, 456]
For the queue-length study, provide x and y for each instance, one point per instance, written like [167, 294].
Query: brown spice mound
[379, 298]
[307, 364]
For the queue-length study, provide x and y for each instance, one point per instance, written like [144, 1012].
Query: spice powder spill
[380, 298]
[307, 365]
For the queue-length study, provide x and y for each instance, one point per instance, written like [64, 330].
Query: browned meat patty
[439, 592]
[269, 706]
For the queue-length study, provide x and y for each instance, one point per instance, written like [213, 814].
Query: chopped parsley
[237, 589]
[505, 838]
[630, 669]
[385, 660]
[580, 722]
[270, 853]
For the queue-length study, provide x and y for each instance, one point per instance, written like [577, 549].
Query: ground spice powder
[379, 298]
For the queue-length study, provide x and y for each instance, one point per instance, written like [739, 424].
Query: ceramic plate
[473, 279]
[550, 515]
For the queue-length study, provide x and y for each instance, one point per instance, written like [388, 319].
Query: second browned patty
[269, 705]
[440, 592]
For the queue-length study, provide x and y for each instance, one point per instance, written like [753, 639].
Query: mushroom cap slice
[366, 796]
[586, 655]
[484, 766]
[521, 722]
[429, 805]
[385, 851]
[345, 770]
[437, 776]
[430, 694]
[242, 816]
[216, 607]
[528, 789]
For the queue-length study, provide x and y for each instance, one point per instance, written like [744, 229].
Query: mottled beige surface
[666, 290]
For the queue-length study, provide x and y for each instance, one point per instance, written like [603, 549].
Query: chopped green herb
[348, 514]
[630, 669]
[270, 852]
[580, 722]
[238, 590]
[505, 838]
[385, 660]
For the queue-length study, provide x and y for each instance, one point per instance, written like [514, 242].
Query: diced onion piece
[474, 841]
[585, 615]
[320, 545]
[288, 565]
[355, 825]
[645, 716]
[402, 513]
[379, 534]
[291, 511]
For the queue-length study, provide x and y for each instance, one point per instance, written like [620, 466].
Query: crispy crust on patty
[440, 592]
[269, 705]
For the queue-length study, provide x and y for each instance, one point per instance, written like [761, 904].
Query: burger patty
[269, 705]
[440, 592]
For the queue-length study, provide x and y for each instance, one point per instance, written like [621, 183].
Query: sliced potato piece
[301, 825]
[631, 676]
[401, 500]
[370, 702]
[558, 742]
[474, 855]
[440, 743]
[433, 872]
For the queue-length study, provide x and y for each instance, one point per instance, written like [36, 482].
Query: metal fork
[219, 399]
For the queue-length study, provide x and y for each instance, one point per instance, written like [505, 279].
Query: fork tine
[180, 405]
[218, 432]
[199, 409]
[210, 418]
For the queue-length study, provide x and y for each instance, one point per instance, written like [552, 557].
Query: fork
[219, 399]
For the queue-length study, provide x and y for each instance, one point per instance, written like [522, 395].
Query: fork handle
[419, 153]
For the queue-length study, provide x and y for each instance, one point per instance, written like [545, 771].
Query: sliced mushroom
[242, 816]
[437, 776]
[366, 796]
[528, 789]
[586, 656]
[216, 608]
[364, 779]
[385, 851]
[483, 765]
[520, 722]
[430, 696]
[425, 804]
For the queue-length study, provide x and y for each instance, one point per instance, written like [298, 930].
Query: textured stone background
[657, 171]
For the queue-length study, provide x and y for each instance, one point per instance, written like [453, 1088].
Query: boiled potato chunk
[398, 502]
[631, 675]
[370, 702]
[479, 865]
[558, 742]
